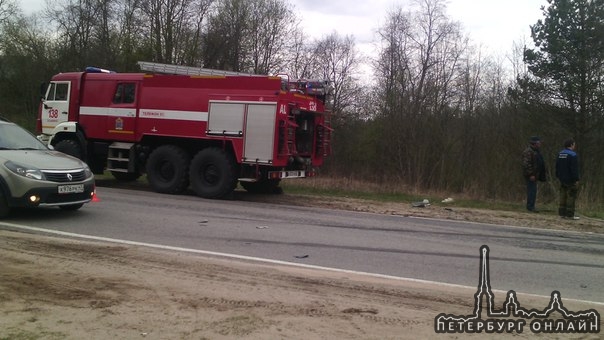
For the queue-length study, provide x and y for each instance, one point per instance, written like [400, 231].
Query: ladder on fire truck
[189, 70]
[324, 145]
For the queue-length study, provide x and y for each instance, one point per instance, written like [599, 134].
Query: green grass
[595, 214]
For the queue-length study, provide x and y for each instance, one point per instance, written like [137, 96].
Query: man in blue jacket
[567, 171]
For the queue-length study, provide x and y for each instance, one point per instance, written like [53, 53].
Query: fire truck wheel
[70, 147]
[168, 169]
[213, 173]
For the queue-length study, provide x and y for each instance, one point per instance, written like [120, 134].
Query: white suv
[33, 175]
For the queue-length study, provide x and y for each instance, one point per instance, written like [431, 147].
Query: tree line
[437, 113]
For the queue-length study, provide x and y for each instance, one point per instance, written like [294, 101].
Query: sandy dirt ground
[56, 288]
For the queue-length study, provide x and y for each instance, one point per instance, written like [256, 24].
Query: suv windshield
[13, 137]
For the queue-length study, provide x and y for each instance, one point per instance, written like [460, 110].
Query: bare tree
[419, 67]
[27, 58]
[129, 38]
[191, 48]
[103, 32]
[298, 61]
[223, 42]
[249, 36]
[8, 8]
[169, 22]
[75, 20]
[336, 60]
[270, 28]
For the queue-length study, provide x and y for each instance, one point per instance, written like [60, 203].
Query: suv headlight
[25, 171]
[87, 171]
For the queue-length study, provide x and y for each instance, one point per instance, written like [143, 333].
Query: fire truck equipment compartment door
[260, 132]
[226, 118]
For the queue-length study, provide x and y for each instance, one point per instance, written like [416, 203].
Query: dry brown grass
[395, 190]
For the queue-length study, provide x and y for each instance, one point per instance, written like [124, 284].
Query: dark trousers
[568, 196]
[531, 194]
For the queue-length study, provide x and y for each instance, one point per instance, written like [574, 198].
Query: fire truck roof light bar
[92, 69]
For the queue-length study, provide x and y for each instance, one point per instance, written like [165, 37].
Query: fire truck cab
[189, 127]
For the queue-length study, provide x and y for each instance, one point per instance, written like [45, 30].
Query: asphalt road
[525, 260]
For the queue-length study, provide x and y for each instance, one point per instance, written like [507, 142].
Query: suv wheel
[4, 208]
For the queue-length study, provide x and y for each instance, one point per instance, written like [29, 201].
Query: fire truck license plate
[71, 189]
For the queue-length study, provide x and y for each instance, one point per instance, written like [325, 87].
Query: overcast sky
[494, 24]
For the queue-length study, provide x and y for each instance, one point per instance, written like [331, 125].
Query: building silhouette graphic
[512, 317]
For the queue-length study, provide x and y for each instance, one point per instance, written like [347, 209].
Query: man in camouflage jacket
[533, 168]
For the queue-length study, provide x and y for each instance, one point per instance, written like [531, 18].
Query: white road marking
[263, 260]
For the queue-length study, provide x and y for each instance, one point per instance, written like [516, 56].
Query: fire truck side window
[51, 92]
[58, 91]
[124, 93]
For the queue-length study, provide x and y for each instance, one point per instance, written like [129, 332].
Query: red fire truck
[185, 126]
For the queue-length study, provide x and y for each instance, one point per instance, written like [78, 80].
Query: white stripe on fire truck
[107, 111]
[196, 116]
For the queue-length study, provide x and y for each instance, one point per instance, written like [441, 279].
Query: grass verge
[351, 188]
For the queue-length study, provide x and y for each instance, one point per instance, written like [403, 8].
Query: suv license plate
[70, 189]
